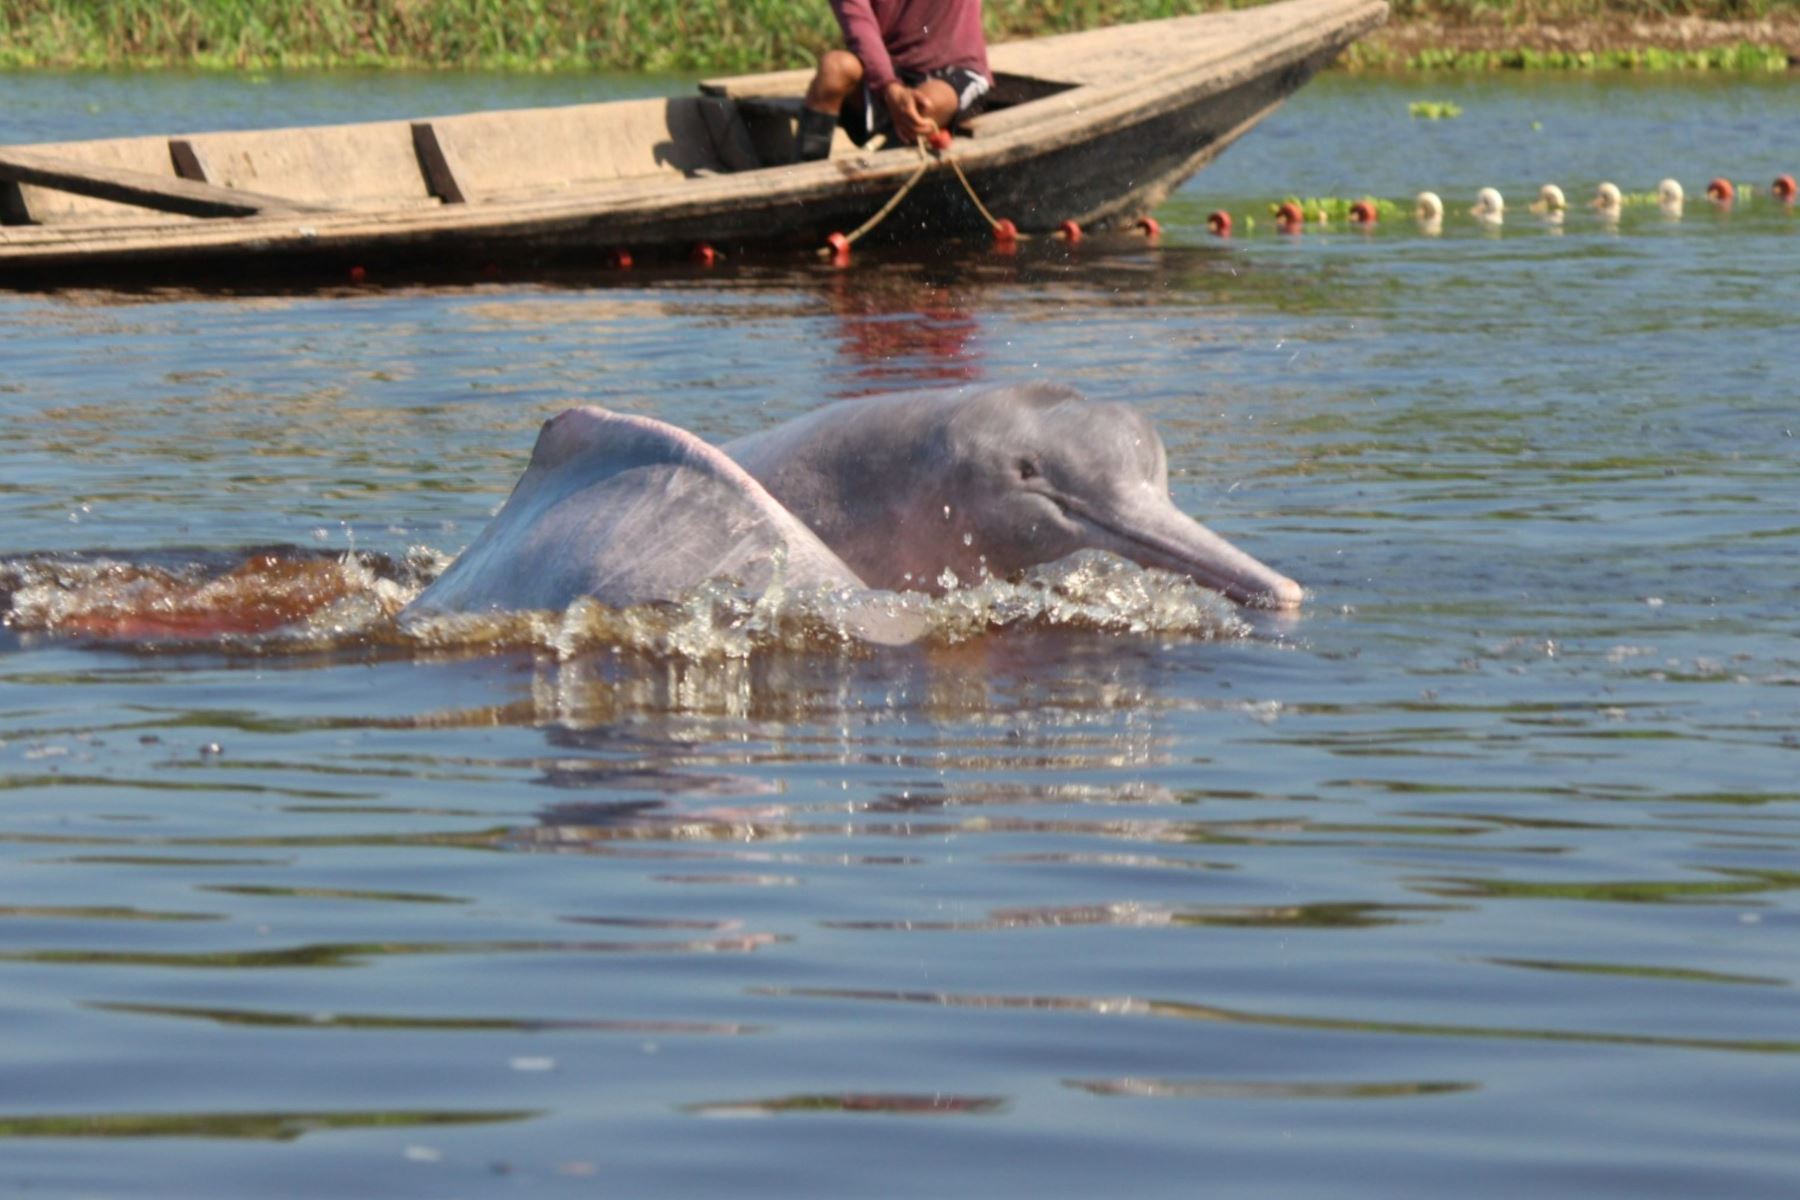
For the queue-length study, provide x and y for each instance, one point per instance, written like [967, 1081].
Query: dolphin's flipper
[630, 510]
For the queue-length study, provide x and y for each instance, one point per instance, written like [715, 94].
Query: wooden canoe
[1096, 127]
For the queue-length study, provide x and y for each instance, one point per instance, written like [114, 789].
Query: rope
[840, 245]
[850, 239]
[968, 187]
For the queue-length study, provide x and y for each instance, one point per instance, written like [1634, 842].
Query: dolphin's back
[628, 510]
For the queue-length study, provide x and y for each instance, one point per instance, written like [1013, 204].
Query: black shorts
[863, 121]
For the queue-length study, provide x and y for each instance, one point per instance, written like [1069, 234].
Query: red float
[1151, 227]
[1219, 222]
[1721, 190]
[1783, 188]
[1363, 212]
[1070, 231]
[1005, 232]
[705, 255]
[1289, 217]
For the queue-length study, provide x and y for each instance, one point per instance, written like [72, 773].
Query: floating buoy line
[1290, 216]
[1293, 214]
[1551, 207]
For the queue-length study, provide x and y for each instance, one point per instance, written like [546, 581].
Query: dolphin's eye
[1027, 469]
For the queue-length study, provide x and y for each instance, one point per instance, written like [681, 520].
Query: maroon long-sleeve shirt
[914, 35]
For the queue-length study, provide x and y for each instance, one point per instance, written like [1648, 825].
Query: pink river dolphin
[886, 493]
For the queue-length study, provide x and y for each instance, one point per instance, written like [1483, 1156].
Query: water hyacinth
[1336, 209]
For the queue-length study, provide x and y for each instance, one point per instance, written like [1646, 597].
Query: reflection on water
[1305, 916]
[358, 954]
[279, 1127]
[934, 1105]
[1496, 837]
[901, 331]
[378, 1022]
[1226, 1089]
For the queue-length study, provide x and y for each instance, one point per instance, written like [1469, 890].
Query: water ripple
[359, 953]
[1129, 1006]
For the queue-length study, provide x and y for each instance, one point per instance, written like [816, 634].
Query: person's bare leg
[839, 76]
[937, 100]
[840, 73]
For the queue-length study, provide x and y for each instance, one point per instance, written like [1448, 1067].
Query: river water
[1477, 877]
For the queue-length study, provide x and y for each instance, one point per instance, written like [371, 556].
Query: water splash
[288, 600]
[256, 596]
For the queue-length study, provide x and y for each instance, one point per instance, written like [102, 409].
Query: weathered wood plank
[770, 83]
[439, 178]
[138, 188]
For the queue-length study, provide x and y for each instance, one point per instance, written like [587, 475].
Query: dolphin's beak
[1147, 528]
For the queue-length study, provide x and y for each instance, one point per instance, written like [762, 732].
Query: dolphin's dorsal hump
[628, 510]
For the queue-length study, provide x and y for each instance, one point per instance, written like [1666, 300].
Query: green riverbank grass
[724, 35]
[620, 35]
[1742, 56]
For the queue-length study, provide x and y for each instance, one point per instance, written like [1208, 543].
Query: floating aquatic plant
[1434, 110]
[1337, 208]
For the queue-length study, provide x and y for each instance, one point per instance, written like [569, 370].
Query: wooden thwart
[440, 180]
[140, 188]
[187, 160]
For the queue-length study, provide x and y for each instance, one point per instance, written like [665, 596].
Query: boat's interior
[476, 158]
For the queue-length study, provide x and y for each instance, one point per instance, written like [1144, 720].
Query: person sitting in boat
[912, 67]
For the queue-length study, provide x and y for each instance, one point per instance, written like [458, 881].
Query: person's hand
[910, 121]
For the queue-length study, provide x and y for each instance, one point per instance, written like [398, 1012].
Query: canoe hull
[1112, 123]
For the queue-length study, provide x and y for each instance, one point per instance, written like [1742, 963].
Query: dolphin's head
[1037, 473]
